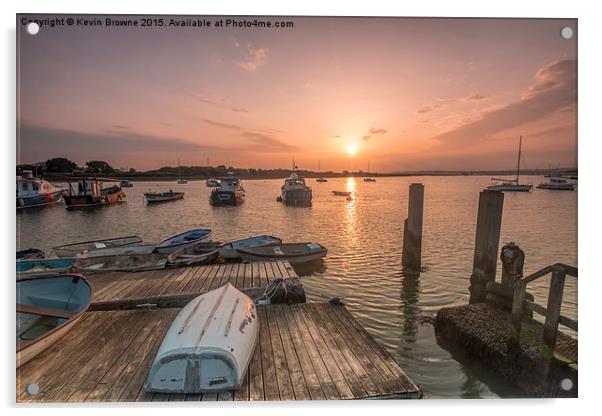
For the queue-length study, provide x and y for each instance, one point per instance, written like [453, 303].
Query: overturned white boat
[208, 346]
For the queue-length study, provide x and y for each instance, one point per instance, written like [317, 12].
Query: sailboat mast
[520, 145]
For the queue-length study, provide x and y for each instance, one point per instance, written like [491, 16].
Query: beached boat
[30, 253]
[229, 192]
[126, 184]
[152, 197]
[295, 253]
[512, 185]
[341, 193]
[71, 250]
[212, 183]
[47, 308]
[557, 183]
[230, 250]
[34, 192]
[186, 239]
[89, 193]
[39, 267]
[295, 192]
[208, 346]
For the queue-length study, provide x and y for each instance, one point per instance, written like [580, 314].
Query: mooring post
[412, 233]
[550, 329]
[489, 224]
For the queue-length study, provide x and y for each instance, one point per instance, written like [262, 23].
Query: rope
[271, 291]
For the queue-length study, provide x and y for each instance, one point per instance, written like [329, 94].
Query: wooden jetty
[306, 351]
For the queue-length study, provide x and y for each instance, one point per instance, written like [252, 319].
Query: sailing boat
[368, 178]
[320, 178]
[511, 184]
[181, 181]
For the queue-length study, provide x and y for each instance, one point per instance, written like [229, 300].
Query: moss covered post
[412, 232]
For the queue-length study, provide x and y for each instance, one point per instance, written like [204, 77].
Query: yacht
[320, 178]
[368, 178]
[511, 184]
[294, 191]
[34, 192]
[229, 192]
[557, 183]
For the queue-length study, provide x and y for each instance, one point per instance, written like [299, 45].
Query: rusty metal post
[489, 223]
[412, 233]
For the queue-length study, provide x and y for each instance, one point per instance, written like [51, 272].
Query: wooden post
[520, 289]
[550, 329]
[412, 233]
[489, 223]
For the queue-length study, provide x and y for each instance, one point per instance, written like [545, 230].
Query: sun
[351, 149]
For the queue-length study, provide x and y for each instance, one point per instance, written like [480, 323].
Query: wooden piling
[550, 330]
[489, 223]
[412, 233]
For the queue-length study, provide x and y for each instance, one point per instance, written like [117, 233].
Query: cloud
[239, 110]
[424, 110]
[474, 97]
[222, 125]
[554, 89]
[218, 102]
[377, 131]
[120, 127]
[254, 58]
[265, 143]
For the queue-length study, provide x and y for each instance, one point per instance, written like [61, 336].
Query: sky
[388, 94]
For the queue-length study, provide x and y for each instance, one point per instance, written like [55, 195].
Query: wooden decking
[119, 285]
[310, 351]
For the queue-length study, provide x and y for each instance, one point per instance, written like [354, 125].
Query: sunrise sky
[400, 94]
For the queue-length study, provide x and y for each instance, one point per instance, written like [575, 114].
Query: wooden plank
[256, 391]
[270, 382]
[280, 360]
[249, 269]
[195, 278]
[550, 329]
[219, 275]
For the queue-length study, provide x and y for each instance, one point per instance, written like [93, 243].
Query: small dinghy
[341, 193]
[71, 250]
[39, 267]
[121, 263]
[208, 346]
[118, 251]
[47, 307]
[30, 253]
[295, 253]
[183, 240]
[202, 253]
[230, 250]
[154, 197]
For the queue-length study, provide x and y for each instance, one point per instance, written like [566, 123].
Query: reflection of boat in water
[511, 184]
[46, 309]
[71, 250]
[126, 184]
[89, 193]
[295, 253]
[294, 191]
[152, 197]
[341, 193]
[230, 250]
[208, 346]
[229, 192]
[557, 184]
[34, 192]
[212, 183]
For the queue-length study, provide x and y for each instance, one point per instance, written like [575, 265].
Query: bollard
[487, 239]
[513, 260]
[412, 233]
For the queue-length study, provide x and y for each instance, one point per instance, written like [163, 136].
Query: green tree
[60, 165]
[99, 166]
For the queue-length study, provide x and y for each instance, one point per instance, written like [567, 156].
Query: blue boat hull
[39, 200]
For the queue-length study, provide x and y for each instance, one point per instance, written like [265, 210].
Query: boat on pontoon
[30, 253]
[34, 192]
[513, 185]
[556, 183]
[71, 250]
[295, 253]
[229, 192]
[46, 309]
[153, 197]
[295, 192]
[89, 193]
[186, 239]
[230, 250]
[208, 346]
[40, 267]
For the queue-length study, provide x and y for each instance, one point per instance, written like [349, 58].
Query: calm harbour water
[363, 265]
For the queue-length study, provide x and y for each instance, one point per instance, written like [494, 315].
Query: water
[363, 237]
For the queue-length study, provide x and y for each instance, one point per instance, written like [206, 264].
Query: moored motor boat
[229, 192]
[321, 179]
[295, 253]
[89, 193]
[47, 308]
[341, 193]
[230, 250]
[126, 184]
[34, 192]
[557, 183]
[186, 239]
[71, 250]
[295, 192]
[208, 346]
[30, 253]
[152, 197]
[40, 267]
[212, 183]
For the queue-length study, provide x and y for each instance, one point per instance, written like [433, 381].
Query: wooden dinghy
[155, 197]
[71, 250]
[30, 253]
[230, 250]
[208, 346]
[200, 254]
[40, 267]
[47, 307]
[186, 239]
[295, 253]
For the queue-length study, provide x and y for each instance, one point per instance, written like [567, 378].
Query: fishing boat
[212, 183]
[126, 184]
[186, 239]
[208, 346]
[30, 253]
[47, 308]
[341, 193]
[295, 253]
[295, 192]
[89, 193]
[229, 192]
[230, 250]
[71, 250]
[511, 184]
[34, 192]
[40, 267]
[152, 197]
[557, 183]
